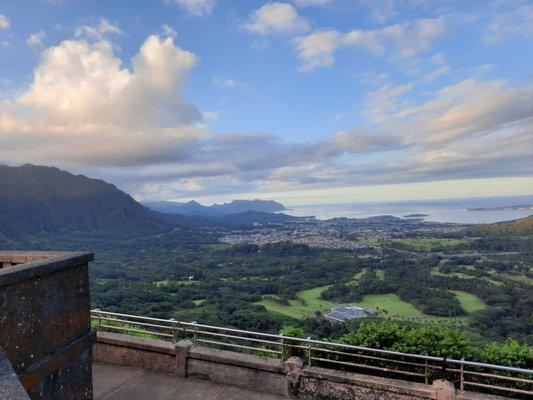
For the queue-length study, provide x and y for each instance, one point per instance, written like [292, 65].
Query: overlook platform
[115, 382]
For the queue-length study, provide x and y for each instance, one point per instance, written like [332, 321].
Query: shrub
[510, 353]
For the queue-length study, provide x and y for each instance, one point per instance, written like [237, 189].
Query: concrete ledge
[238, 359]
[243, 370]
[156, 355]
[116, 339]
[31, 265]
[414, 389]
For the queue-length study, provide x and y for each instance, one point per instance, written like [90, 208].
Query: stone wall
[45, 319]
[291, 378]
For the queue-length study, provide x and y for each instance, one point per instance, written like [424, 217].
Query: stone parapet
[45, 318]
[292, 378]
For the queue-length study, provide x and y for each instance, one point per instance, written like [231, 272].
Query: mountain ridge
[194, 208]
[37, 199]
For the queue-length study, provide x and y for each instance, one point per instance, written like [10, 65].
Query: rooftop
[345, 313]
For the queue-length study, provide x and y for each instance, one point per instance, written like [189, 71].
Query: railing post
[462, 383]
[309, 350]
[282, 348]
[173, 322]
[98, 320]
[426, 372]
[194, 334]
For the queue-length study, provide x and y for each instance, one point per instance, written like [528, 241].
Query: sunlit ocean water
[449, 210]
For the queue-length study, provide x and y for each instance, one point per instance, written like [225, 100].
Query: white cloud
[99, 31]
[196, 8]
[210, 115]
[433, 75]
[404, 40]
[305, 3]
[4, 22]
[35, 39]
[316, 49]
[275, 18]
[84, 107]
[224, 82]
[373, 78]
[510, 20]
[169, 31]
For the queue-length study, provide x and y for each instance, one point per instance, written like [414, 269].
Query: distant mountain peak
[216, 210]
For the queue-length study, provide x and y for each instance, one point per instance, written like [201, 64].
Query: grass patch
[356, 278]
[389, 305]
[380, 274]
[519, 278]
[217, 246]
[427, 244]
[301, 309]
[369, 240]
[469, 302]
[199, 302]
[182, 282]
[436, 271]
[392, 304]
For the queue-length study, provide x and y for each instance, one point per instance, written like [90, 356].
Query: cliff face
[35, 199]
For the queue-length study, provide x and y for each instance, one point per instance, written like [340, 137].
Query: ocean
[438, 210]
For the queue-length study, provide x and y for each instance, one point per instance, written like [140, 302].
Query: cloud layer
[90, 110]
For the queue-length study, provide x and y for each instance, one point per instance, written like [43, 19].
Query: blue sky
[301, 101]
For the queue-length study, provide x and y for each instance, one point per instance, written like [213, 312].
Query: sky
[301, 101]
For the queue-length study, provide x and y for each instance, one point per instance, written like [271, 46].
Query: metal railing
[476, 376]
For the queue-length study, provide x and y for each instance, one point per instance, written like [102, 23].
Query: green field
[297, 308]
[167, 282]
[427, 244]
[519, 278]
[469, 302]
[380, 274]
[369, 240]
[392, 304]
[216, 246]
[389, 302]
[436, 271]
[199, 302]
[388, 305]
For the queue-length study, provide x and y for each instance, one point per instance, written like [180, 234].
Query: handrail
[386, 364]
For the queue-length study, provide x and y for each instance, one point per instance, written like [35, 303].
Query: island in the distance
[415, 216]
[502, 208]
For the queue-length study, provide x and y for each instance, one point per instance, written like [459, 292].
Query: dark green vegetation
[476, 281]
[443, 342]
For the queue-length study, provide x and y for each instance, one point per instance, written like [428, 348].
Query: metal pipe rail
[476, 376]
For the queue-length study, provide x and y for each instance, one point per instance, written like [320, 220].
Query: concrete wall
[291, 378]
[45, 319]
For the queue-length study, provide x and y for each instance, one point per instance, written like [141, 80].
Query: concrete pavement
[114, 382]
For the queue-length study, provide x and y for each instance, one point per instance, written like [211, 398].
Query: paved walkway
[113, 382]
